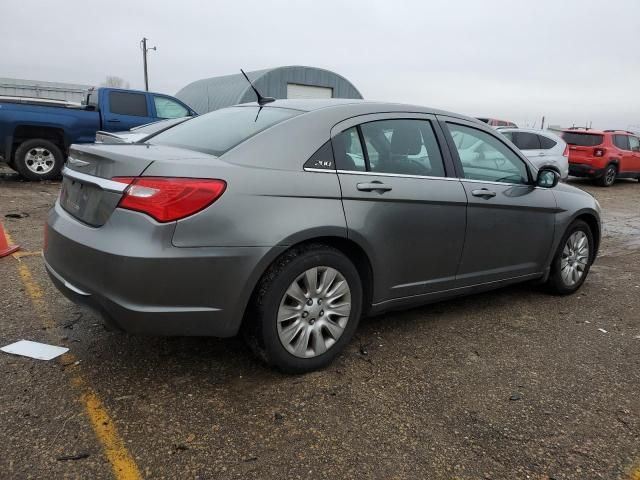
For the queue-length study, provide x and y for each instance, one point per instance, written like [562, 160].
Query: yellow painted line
[635, 474]
[123, 465]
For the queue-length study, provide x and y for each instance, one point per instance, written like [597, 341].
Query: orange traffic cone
[5, 248]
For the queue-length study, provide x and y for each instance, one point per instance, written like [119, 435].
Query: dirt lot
[513, 384]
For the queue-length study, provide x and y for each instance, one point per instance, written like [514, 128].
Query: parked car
[494, 122]
[35, 134]
[137, 134]
[541, 147]
[603, 155]
[223, 224]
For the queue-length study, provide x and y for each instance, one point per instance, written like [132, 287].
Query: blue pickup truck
[35, 133]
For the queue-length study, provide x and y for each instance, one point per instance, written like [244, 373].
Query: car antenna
[261, 100]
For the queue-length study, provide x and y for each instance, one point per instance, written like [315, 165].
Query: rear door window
[126, 103]
[634, 143]
[526, 141]
[348, 151]
[582, 139]
[218, 132]
[621, 141]
[400, 146]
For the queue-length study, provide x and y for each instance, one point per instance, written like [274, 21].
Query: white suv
[541, 147]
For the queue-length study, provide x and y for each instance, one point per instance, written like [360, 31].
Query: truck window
[167, 108]
[126, 103]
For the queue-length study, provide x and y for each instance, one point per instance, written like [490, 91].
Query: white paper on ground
[40, 351]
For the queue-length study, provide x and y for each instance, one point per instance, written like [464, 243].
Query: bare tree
[115, 82]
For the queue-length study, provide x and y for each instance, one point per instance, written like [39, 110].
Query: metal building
[210, 94]
[16, 87]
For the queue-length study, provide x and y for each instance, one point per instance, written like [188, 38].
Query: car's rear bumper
[142, 284]
[584, 170]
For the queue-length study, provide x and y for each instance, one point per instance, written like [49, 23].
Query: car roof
[359, 107]
[547, 133]
[588, 130]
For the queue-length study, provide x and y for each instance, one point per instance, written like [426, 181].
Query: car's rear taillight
[566, 151]
[169, 199]
[598, 152]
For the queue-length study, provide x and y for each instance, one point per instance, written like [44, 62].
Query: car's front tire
[305, 309]
[38, 159]
[573, 259]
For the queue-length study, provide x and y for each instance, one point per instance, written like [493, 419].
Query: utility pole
[542, 124]
[143, 44]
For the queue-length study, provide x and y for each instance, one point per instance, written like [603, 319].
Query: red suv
[603, 155]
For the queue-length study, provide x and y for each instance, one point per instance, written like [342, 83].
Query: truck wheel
[608, 177]
[38, 159]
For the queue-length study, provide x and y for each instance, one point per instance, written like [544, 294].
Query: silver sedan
[287, 222]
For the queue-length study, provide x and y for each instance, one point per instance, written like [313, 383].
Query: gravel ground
[511, 384]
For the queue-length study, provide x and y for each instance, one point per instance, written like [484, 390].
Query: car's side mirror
[547, 178]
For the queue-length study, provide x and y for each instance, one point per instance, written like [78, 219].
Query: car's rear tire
[571, 264]
[608, 178]
[305, 309]
[38, 159]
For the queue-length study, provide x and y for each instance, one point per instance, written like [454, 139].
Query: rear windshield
[218, 132]
[582, 139]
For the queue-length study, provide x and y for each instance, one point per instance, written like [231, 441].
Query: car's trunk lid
[89, 192]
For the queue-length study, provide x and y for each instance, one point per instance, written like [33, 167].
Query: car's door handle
[373, 186]
[113, 120]
[484, 193]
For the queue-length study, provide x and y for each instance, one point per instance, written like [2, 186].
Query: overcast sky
[571, 60]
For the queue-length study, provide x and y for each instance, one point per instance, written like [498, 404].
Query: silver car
[288, 222]
[541, 147]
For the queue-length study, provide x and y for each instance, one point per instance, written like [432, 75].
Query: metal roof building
[210, 94]
[16, 87]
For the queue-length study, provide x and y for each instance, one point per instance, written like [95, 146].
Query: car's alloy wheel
[575, 258]
[314, 312]
[305, 309]
[39, 160]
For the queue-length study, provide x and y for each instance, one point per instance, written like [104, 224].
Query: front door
[400, 202]
[510, 221]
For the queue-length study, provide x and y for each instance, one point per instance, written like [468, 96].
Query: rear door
[402, 200]
[634, 163]
[625, 154]
[510, 221]
[125, 110]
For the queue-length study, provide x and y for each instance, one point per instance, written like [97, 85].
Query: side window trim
[444, 120]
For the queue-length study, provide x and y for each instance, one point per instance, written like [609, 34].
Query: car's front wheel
[573, 259]
[306, 309]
